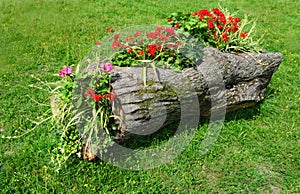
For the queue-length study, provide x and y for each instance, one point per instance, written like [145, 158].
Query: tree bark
[239, 78]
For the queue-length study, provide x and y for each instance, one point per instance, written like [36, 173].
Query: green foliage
[161, 47]
[71, 110]
[218, 28]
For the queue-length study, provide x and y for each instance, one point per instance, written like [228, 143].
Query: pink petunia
[108, 67]
[65, 71]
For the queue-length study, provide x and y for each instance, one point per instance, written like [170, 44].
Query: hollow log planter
[245, 78]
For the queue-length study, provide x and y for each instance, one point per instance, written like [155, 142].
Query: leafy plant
[68, 114]
[218, 28]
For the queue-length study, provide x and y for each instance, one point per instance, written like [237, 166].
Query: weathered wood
[245, 77]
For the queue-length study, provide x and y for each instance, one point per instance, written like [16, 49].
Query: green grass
[256, 152]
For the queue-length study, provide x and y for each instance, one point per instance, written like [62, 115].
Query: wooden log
[144, 109]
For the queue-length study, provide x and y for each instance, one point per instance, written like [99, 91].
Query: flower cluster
[65, 95]
[216, 28]
[107, 67]
[102, 86]
[161, 44]
[97, 97]
[65, 71]
[218, 23]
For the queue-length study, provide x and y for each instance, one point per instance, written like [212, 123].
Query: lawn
[257, 150]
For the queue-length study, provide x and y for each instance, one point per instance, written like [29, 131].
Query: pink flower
[107, 67]
[65, 71]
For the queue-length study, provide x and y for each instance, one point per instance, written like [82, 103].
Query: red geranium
[225, 37]
[115, 45]
[130, 50]
[140, 52]
[210, 24]
[244, 34]
[152, 49]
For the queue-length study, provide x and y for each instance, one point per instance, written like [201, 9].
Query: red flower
[128, 38]
[178, 43]
[216, 11]
[170, 19]
[151, 35]
[152, 49]
[97, 43]
[215, 35]
[111, 95]
[89, 93]
[222, 19]
[115, 45]
[237, 20]
[244, 34]
[210, 24]
[170, 30]
[130, 50]
[235, 29]
[204, 12]
[219, 27]
[108, 29]
[225, 37]
[158, 29]
[177, 25]
[97, 97]
[137, 33]
[117, 36]
[140, 52]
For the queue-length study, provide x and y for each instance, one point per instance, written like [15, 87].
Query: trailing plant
[69, 114]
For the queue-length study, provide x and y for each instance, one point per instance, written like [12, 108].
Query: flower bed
[136, 78]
